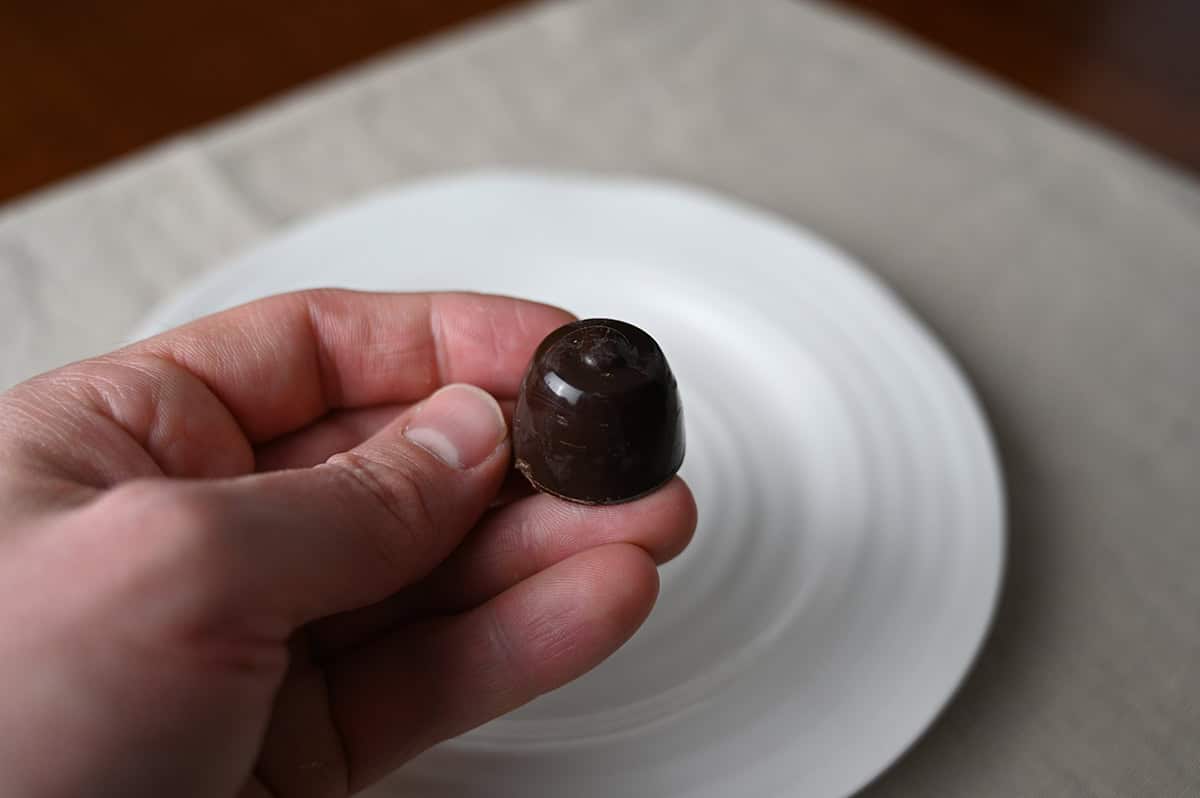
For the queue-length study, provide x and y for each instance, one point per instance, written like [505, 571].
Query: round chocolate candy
[598, 418]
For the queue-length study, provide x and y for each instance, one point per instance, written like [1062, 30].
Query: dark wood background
[83, 82]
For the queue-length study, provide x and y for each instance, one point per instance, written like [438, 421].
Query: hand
[257, 555]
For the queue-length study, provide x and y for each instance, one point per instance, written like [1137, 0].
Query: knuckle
[395, 497]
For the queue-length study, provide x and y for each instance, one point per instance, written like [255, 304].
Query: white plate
[851, 535]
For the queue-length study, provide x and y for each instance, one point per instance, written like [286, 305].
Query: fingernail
[460, 425]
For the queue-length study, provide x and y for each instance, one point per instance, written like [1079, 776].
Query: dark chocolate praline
[598, 418]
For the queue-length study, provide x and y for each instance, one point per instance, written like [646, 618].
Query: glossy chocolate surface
[598, 419]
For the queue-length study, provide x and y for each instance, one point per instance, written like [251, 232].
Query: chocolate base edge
[523, 467]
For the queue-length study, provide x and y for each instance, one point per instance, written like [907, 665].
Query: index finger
[279, 363]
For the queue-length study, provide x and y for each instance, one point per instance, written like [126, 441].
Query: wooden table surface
[84, 82]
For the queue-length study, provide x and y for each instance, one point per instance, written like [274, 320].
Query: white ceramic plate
[851, 534]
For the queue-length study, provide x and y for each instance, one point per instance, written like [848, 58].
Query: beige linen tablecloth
[1062, 269]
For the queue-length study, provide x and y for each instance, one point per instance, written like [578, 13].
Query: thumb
[302, 544]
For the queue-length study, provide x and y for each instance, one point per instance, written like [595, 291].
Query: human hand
[250, 557]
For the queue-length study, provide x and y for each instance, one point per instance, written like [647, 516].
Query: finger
[282, 362]
[337, 432]
[340, 431]
[193, 401]
[290, 546]
[100, 422]
[396, 697]
[520, 540]
[511, 545]
[301, 754]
